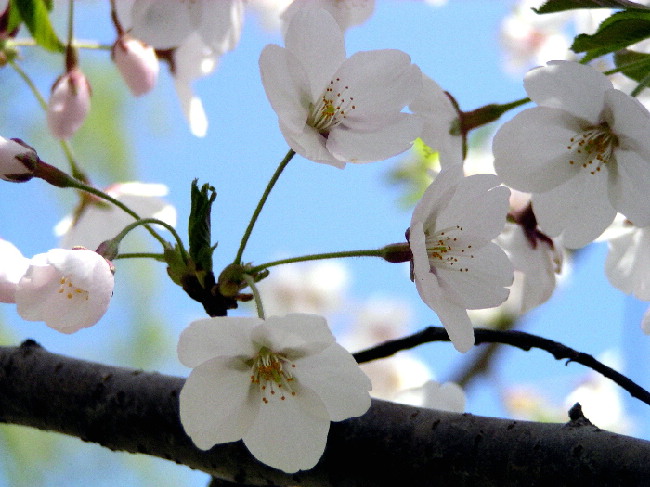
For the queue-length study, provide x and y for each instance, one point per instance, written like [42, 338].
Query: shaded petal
[316, 40]
[218, 403]
[570, 86]
[437, 196]
[338, 381]
[479, 205]
[212, 337]
[294, 334]
[310, 145]
[578, 211]
[287, 86]
[192, 108]
[380, 82]
[628, 262]
[530, 151]
[387, 141]
[285, 437]
[483, 284]
[163, 24]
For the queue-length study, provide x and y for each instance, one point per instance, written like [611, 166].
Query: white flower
[583, 153]
[69, 104]
[336, 110]
[13, 266]
[536, 260]
[447, 396]
[628, 261]
[68, 289]
[17, 160]
[95, 222]
[137, 64]
[275, 384]
[439, 115]
[456, 266]
[346, 13]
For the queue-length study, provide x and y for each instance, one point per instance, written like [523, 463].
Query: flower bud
[69, 104]
[138, 64]
[17, 160]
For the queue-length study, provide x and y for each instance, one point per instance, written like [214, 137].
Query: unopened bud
[137, 63]
[397, 253]
[69, 104]
[17, 160]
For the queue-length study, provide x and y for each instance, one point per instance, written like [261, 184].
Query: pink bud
[17, 160]
[69, 104]
[137, 63]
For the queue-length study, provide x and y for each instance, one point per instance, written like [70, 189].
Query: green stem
[327, 255]
[256, 296]
[260, 205]
[141, 255]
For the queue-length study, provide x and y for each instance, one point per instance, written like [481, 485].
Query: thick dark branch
[134, 411]
[516, 338]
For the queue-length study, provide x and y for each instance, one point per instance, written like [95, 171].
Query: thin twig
[520, 339]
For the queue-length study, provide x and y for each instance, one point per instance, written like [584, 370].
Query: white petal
[218, 402]
[437, 195]
[388, 141]
[337, 380]
[628, 263]
[570, 86]
[163, 24]
[310, 145]
[192, 108]
[380, 82]
[530, 151]
[300, 334]
[453, 317]
[479, 205]
[578, 211]
[220, 336]
[13, 266]
[317, 42]
[284, 436]
[629, 185]
[645, 323]
[287, 86]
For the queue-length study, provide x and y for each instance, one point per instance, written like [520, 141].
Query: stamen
[271, 372]
[70, 291]
[593, 148]
[445, 250]
[332, 107]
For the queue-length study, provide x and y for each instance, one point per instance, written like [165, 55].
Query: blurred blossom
[628, 261]
[96, 221]
[269, 12]
[394, 376]
[13, 266]
[67, 289]
[137, 63]
[315, 288]
[334, 109]
[275, 384]
[601, 400]
[69, 104]
[346, 13]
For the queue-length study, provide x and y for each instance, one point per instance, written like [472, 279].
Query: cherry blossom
[447, 396]
[336, 110]
[67, 289]
[17, 160]
[96, 221]
[137, 64]
[13, 266]
[628, 259]
[346, 13]
[456, 266]
[583, 153]
[69, 104]
[275, 384]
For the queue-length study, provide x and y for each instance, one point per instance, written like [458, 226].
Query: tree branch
[135, 411]
[516, 338]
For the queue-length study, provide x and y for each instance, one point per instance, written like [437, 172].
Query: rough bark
[135, 411]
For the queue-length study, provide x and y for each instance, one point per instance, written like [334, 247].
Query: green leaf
[200, 227]
[14, 19]
[614, 33]
[35, 15]
[560, 5]
[634, 65]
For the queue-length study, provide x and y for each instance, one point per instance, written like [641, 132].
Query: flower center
[271, 372]
[445, 249]
[332, 108]
[593, 148]
[70, 291]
